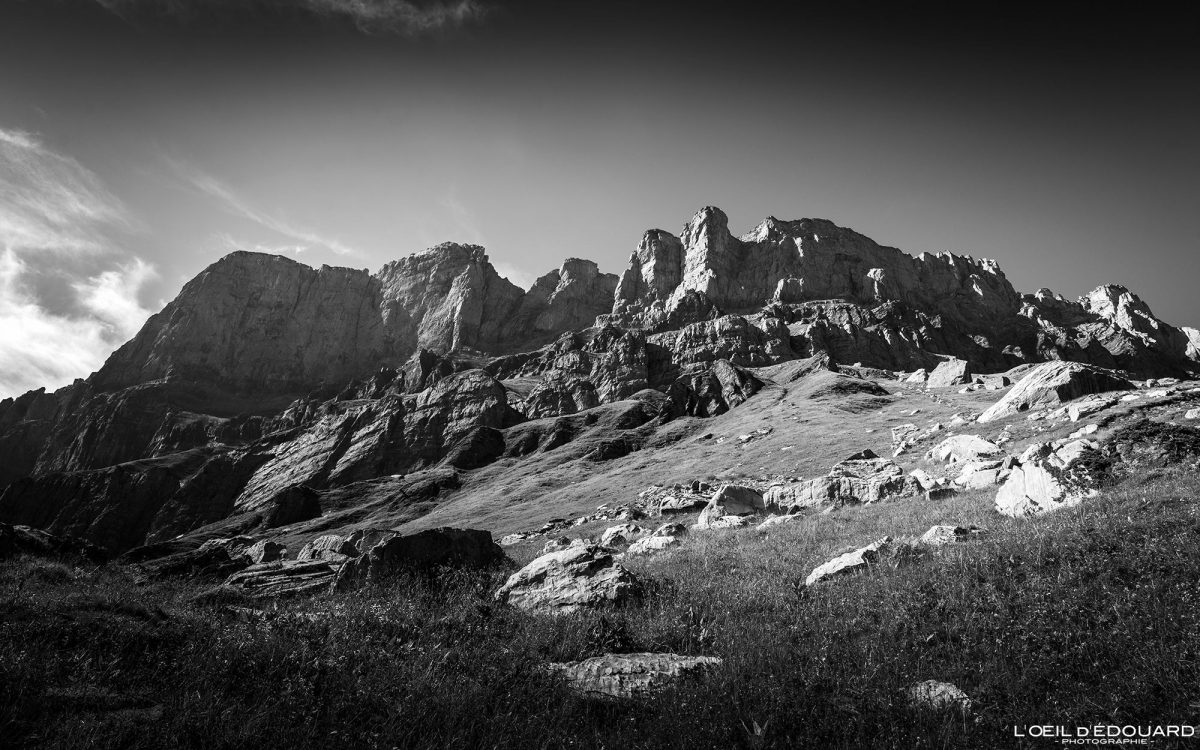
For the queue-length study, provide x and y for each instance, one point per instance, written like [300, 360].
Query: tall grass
[1086, 616]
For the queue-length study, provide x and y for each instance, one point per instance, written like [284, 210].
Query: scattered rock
[582, 576]
[631, 675]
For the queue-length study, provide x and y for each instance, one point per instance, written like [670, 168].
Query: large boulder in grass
[952, 372]
[631, 675]
[730, 501]
[424, 550]
[582, 576]
[1046, 479]
[1054, 383]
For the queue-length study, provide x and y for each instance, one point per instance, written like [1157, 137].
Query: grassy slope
[1085, 616]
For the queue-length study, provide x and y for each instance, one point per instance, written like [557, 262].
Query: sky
[141, 140]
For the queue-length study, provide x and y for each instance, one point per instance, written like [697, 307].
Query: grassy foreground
[1083, 617]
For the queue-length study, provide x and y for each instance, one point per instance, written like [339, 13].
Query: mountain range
[270, 393]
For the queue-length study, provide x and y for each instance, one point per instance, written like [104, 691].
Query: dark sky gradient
[1061, 142]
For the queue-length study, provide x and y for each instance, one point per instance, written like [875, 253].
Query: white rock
[652, 544]
[938, 696]
[963, 448]
[860, 558]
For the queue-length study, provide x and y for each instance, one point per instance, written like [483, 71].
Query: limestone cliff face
[256, 322]
[793, 262]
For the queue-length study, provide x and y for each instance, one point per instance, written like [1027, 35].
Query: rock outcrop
[855, 481]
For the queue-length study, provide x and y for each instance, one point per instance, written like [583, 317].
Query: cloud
[51, 202]
[229, 201]
[401, 17]
[39, 347]
[59, 222]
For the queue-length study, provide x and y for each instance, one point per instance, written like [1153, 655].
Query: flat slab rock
[578, 577]
[283, 578]
[858, 559]
[632, 675]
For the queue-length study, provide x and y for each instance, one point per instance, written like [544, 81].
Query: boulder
[859, 559]
[730, 501]
[331, 547]
[1054, 383]
[774, 521]
[738, 499]
[580, 577]
[938, 696]
[963, 448]
[939, 536]
[1036, 487]
[651, 544]
[919, 376]
[622, 534]
[424, 550]
[631, 675]
[952, 372]
[1192, 414]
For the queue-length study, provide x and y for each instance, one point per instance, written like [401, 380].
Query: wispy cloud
[401, 17]
[301, 238]
[57, 219]
[51, 202]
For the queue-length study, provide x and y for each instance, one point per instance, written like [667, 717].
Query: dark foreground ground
[1087, 616]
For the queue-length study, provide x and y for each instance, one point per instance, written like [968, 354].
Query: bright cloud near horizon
[141, 140]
